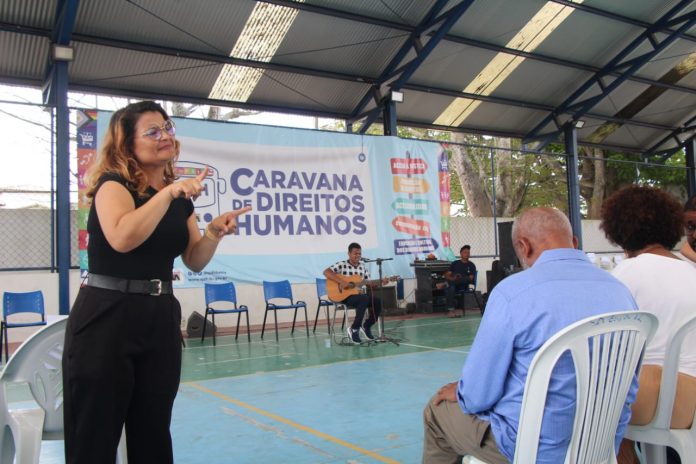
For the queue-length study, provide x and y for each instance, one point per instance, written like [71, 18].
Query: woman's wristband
[211, 235]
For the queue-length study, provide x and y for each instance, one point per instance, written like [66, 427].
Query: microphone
[365, 260]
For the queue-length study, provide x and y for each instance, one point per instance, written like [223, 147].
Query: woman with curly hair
[122, 353]
[688, 250]
[647, 223]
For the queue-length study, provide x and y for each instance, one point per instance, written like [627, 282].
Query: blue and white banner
[312, 193]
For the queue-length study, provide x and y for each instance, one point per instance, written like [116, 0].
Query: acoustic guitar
[353, 287]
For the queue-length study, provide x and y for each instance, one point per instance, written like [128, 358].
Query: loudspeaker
[508, 258]
[194, 326]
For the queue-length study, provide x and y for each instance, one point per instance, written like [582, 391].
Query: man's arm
[342, 282]
[472, 271]
[487, 366]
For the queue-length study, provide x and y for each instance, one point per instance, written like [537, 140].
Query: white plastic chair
[36, 363]
[657, 434]
[606, 351]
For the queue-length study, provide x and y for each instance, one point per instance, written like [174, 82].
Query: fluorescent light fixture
[579, 124]
[527, 39]
[62, 53]
[397, 97]
[263, 33]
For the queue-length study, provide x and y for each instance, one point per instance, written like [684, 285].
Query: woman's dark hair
[635, 217]
[690, 204]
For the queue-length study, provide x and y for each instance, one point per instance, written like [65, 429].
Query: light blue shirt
[523, 311]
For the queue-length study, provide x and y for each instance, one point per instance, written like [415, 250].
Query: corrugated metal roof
[28, 54]
[514, 62]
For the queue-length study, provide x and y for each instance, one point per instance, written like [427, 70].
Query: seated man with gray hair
[479, 414]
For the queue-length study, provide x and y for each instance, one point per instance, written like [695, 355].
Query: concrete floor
[312, 399]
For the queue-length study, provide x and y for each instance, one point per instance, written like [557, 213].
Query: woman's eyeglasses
[155, 133]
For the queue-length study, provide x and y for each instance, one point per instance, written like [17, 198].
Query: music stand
[382, 337]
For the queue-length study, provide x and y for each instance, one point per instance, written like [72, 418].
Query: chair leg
[275, 318]
[7, 343]
[479, 303]
[328, 327]
[305, 321]
[654, 454]
[332, 326]
[246, 313]
[213, 329]
[205, 321]
[2, 332]
[239, 318]
[263, 327]
[294, 317]
[316, 318]
[28, 442]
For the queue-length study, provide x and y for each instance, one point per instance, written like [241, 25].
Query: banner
[312, 193]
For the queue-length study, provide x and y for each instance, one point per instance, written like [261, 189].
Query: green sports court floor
[310, 399]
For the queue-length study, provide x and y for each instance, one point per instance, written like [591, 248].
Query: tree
[215, 113]
[603, 172]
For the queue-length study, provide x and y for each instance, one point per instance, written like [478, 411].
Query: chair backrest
[37, 362]
[280, 289]
[668, 384]
[606, 351]
[321, 289]
[224, 291]
[25, 302]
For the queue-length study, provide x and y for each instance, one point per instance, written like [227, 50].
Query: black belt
[153, 287]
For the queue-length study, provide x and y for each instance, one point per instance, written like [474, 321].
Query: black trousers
[121, 364]
[361, 303]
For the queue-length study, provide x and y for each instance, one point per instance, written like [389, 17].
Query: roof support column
[571, 149]
[59, 86]
[690, 150]
[56, 94]
[389, 118]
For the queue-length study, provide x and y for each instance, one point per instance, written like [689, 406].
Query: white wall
[192, 299]
[475, 231]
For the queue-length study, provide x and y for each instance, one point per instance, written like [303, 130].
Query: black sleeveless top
[154, 258]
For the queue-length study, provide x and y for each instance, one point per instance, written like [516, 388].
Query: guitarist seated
[344, 280]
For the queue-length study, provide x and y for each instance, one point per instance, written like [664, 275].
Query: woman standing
[647, 223]
[122, 357]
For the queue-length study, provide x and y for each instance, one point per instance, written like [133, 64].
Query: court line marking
[432, 348]
[249, 358]
[318, 366]
[427, 322]
[291, 423]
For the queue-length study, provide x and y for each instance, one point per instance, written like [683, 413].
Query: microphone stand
[382, 337]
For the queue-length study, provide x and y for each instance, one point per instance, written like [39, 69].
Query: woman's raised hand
[190, 187]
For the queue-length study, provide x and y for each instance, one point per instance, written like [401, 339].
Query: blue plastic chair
[281, 291]
[223, 292]
[324, 302]
[471, 288]
[17, 303]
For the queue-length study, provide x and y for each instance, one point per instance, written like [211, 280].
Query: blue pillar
[56, 95]
[571, 149]
[389, 116]
[59, 94]
[690, 150]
